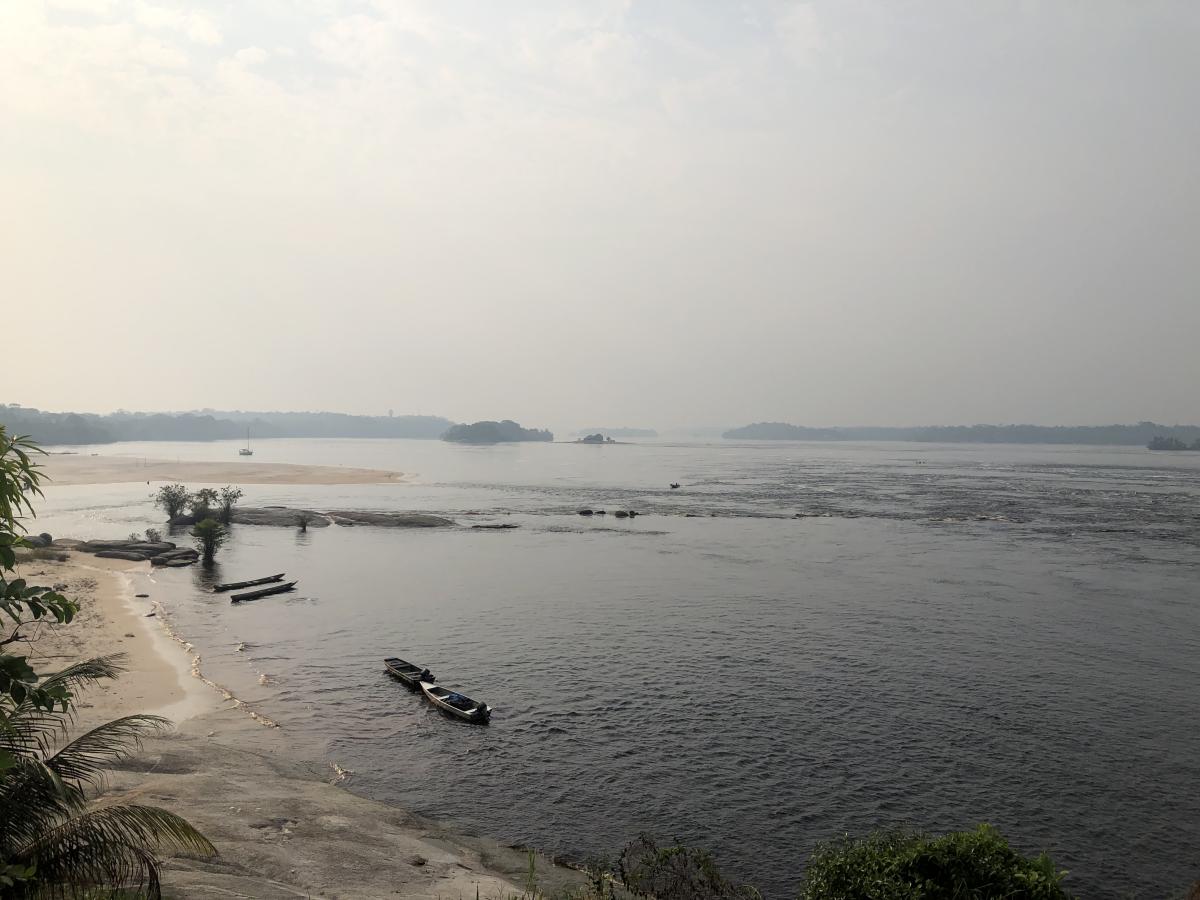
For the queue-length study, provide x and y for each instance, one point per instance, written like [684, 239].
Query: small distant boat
[236, 585]
[263, 592]
[674, 485]
[246, 451]
[456, 704]
[409, 673]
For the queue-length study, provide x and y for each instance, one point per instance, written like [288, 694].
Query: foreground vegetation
[54, 842]
[887, 865]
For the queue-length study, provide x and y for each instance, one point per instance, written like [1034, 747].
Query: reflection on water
[993, 634]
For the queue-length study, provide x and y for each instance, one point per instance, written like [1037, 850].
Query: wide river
[803, 640]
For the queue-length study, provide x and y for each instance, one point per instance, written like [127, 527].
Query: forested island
[1159, 442]
[1137, 435]
[209, 425]
[489, 432]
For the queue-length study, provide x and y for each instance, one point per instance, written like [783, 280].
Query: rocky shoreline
[284, 516]
[168, 554]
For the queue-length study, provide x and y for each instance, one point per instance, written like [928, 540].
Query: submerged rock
[184, 556]
[388, 520]
[176, 563]
[287, 517]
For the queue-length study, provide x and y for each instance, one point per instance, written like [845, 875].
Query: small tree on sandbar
[229, 498]
[210, 537]
[173, 498]
[202, 503]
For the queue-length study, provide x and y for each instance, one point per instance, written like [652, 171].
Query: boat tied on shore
[263, 592]
[456, 704]
[409, 673]
[254, 582]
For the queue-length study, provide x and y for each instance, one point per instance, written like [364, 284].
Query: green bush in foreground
[904, 865]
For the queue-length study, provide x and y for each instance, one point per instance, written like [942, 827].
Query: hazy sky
[595, 212]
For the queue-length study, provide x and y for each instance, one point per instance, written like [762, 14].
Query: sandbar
[70, 468]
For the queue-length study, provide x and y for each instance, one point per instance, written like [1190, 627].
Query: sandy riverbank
[69, 468]
[282, 829]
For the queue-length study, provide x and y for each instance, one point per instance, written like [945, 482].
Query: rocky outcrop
[39, 540]
[283, 516]
[268, 515]
[280, 515]
[158, 553]
[388, 520]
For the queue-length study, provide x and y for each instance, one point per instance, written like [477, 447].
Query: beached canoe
[263, 592]
[456, 704]
[237, 585]
[410, 674]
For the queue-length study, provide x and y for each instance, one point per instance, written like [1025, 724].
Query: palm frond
[86, 757]
[113, 846]
[33, 730]
[33, 798]
[87, 672]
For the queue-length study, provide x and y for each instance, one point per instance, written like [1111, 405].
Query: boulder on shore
[151, 548]
[38, 541]
[94, 546]
[122, 554]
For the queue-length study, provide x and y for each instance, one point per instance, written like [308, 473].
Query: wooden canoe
[456, 704]
[237, 585]
[410, 673]
[263, 592]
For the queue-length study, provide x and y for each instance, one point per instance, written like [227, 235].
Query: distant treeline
[49, 428]
[1129, 435]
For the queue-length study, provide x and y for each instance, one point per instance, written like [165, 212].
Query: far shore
[70, 468]
[282, 827]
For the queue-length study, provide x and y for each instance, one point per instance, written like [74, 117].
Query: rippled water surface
[805, 639]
